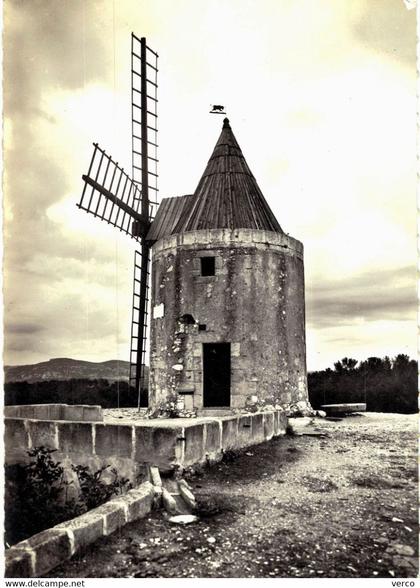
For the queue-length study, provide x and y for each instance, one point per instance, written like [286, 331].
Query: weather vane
[217, 109]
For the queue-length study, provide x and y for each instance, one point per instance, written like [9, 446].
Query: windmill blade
[144, 142]
[110, 194]
[139, 324]
[144, 123]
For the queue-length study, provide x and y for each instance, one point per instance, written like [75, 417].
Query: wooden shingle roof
[168, 215]
[227, 197]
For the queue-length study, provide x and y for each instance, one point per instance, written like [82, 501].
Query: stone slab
[75, 437]
[113, 440]
[268, 425]
[18, 563]
[85, 529]
[50, 548]
[344, 408]
[160, 446]
[114, 516]
[43, 433]
[194, 445]
[15, 435]
[213, 441]
[230, 434]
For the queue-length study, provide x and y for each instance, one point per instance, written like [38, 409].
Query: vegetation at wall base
[386, 385]
[36, 494]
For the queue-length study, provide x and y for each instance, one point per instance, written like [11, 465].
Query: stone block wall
[255, 302]
[55, 412]
[167, 444]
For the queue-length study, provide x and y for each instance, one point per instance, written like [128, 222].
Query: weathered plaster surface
[255, 301]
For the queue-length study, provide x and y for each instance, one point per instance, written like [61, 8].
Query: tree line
[74, 391]
[386, 385]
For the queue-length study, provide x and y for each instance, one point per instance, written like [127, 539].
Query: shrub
[93, 491]
[36, 494]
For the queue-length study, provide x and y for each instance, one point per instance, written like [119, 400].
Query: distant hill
[67, 369]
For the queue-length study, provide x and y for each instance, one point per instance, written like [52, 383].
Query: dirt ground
[343, 505]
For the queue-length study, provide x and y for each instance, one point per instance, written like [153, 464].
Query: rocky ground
[341, 505]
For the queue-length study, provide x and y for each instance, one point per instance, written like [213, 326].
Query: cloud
[387, 26]
[321, 97]
[367, 297]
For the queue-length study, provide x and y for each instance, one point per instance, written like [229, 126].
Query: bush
[93, 491]
[36, 494]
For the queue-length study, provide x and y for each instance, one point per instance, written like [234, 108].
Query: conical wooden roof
[227, 196]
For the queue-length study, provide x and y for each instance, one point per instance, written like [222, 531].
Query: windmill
[129, 203]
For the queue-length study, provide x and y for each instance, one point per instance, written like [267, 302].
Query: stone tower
[228, 310]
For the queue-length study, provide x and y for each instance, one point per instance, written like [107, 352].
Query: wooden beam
[141, 224]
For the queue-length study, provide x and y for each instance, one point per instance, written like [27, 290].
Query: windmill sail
[138, 347]
[111, 195]
[144, 136]
[130, 203]
[144, 118]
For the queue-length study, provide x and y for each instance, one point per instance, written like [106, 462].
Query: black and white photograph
[209, 291]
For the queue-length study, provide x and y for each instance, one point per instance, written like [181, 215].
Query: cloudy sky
[321, 97]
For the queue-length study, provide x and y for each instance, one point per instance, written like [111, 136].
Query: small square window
[202, 327]
[207, 266]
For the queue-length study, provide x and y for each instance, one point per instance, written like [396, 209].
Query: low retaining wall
[44, 551]
[55, 412]
[130, 448]
[166, 443]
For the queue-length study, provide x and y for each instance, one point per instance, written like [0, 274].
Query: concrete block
[268, 425]
[18, 563]
[113, 514]
[276, 423]
[50, 547]
[55, 411]
[48, 412]
[92, 413]
[158, 446]
[213, 441]
[26, 411]
[43, 433]
[283, 422]
[258, 428]
[230, 434]
[194, 440]
[86, 529]
[75, 437]
[15, 435]
[72, 413]
[114, 440]
[11, 411]
[138, 501]
[245, 431]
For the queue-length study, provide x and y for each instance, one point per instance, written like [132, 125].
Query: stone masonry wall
[167, 444]
[255, 301]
